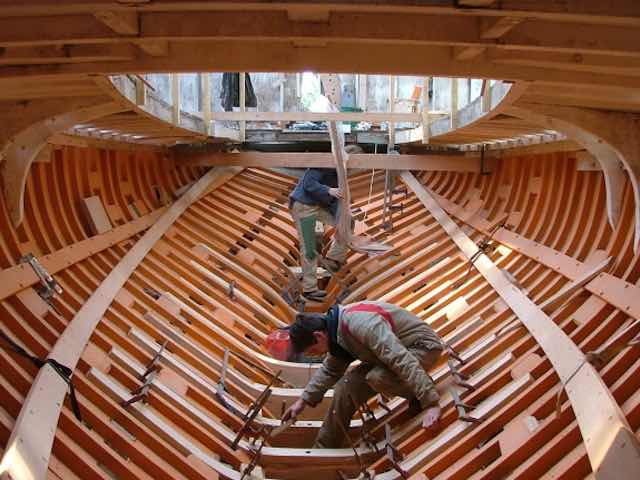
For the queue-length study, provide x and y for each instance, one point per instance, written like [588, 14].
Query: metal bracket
[459, 378]
[453, 354]
[383, 404]
[141, 393]
[462, 407]
[256, 456]
[484, 246]
[252, 412]
[393, 454]
[153, 366]
[367, 417]
[292, 291]
[365, 474]
[48, 285]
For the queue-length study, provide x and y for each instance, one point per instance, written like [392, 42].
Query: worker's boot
[315, 295]
[330, 265]
[414, 407]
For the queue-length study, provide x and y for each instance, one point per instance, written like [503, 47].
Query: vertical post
[392, 101]
[205, 84]
[243, 108]
[454, 103]
[141, 92]
[175, 97]
[362, 92]
[486, 95]
[426, 106]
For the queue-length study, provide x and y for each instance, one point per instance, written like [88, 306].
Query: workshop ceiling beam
[534, 35]
[123, 23]
[585, 11]
[434, 162]
[277, 56]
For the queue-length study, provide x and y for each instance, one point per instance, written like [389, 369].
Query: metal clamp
[367, 417]
[153, 366]
[48, 285]
[459, 378]
[141, 393]
[252, 413]
[462, 407]
[364, 473]
[393, 454]
[255, 458]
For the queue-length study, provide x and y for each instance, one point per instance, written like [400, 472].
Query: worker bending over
[316, 198]
[396, 349]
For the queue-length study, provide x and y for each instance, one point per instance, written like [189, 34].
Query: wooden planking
[601, 421]
[42, 405]
[22, 276]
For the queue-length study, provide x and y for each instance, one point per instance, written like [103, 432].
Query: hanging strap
[370, 308]
[62, 370]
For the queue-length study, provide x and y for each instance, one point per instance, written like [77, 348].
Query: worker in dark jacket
[316, 198]
[396, 350]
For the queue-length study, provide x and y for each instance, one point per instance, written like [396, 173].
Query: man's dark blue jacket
[313, 189]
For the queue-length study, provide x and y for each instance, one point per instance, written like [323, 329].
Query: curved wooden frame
[28, 450]
[607, 155]
[611, 444]
[27, 144]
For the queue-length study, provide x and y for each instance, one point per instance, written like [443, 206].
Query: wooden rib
[26, 145]
[48, 390]
[570, 364]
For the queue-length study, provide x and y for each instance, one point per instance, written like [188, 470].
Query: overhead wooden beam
[124, 23]
[279, 56]
[153, 48]
[435, 162]
[467, 53]
[476, 3]
[26, 145]
[321, 116]
[491, 28]
[66, 54]
[585, 11]
[610, 443]
[61, 139]
[579, 62]
[273, 25]
[29, 448]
